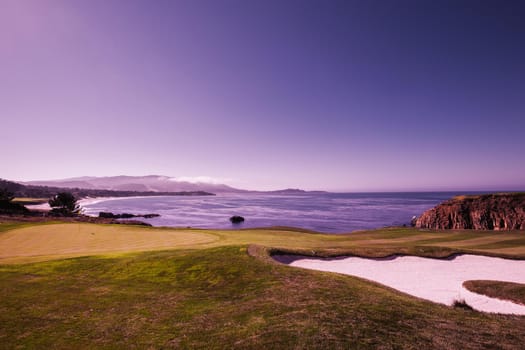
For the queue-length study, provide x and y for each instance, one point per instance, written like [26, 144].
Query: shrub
[462, 304]
[64, 203]
[6, 195]
[8, 207]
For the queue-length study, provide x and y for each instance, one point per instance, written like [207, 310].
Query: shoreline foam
[94, 200]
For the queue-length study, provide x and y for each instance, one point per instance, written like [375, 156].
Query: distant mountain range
[44, 191]
[149, 183]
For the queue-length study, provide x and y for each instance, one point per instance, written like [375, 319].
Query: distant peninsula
[158, 184]
[36, 191]
[129, 186]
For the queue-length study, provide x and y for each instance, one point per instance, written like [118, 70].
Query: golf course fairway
[80, 285]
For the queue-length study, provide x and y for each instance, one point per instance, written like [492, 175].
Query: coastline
[38, 207]
[94, 200]
[333, 213]
[81, 202]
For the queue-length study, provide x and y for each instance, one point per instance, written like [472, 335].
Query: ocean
[322, 212]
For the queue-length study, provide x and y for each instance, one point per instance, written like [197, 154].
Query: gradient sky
[264, 94]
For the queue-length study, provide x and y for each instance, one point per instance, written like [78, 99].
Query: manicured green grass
[229, 293]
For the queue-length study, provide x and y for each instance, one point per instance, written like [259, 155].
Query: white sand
[94, 200]
[43, 206]
[437, 280]
[82, 202]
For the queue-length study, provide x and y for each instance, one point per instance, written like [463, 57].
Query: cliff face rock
[502, 211]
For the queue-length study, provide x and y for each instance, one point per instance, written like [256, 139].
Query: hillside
[150, 183]
[35, 191]
[501, 211]
[153, 183]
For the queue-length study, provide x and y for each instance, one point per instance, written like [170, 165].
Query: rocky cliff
[501, 211]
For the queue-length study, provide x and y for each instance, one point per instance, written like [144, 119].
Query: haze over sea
[323, 212]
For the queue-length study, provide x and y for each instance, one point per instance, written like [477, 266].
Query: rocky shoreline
[499, 212]
[42, 217]
[109, 215]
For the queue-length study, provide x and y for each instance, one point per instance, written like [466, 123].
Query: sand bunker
[437, 280]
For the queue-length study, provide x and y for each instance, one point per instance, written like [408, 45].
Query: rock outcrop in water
[502, 211]
[236, 219]
[109, 215]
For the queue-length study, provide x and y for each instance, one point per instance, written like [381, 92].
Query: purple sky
[263, 94]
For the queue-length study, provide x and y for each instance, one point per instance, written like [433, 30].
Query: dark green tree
[7, 206]
[6, 195]
[64, 203]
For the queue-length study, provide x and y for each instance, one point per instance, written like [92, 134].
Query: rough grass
[223, 298]
[462, 304]
[497, 289]
[214, 295]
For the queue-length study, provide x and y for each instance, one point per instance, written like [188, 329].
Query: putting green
[63, 240]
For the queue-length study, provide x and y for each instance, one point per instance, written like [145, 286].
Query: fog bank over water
[324, 212]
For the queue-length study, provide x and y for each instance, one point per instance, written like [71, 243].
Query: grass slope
[214, 295]
[514, 292]
[27, 242]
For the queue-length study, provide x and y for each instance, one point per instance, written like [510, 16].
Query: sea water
[323, 212]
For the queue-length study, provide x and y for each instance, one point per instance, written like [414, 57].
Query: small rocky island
[236, 219]
[500, 211]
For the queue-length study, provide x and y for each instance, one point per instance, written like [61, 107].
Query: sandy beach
[82, 202]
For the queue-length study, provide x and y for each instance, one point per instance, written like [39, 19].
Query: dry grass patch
[514, 292]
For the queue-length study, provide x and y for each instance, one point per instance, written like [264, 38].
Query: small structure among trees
[64, 204]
